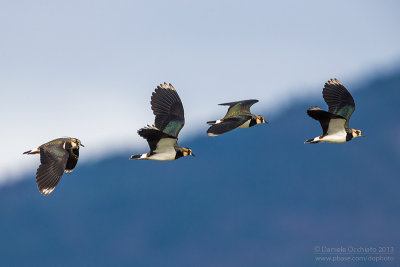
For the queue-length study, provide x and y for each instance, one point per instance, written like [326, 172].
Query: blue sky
[87, 68]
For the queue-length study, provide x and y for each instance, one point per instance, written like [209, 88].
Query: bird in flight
[169, 120]
[335, 121]
[56, 157]
[238, 116]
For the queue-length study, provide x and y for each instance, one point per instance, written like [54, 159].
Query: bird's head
[260, 119]
[187, 152]
[356, 133]
[75, 143]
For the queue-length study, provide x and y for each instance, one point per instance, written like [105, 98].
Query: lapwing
[169, 120]
[335, 121]
[238, 116]
[56, 157]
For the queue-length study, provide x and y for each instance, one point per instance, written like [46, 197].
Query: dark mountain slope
[252, 197]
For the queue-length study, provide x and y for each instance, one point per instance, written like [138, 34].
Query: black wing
[53, 162]
[168, 109]
[338, 99]
[72, 159]
[226, 126]
[153, 135]
[323, 117]
[239, 107]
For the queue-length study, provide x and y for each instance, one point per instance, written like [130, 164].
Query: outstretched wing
[329, 122]
[338, 99]
[53, 161]
[153, 137]
[239, 108]
[168, 109]
[226, 125]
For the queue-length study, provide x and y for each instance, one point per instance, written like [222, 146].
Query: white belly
[163, 156]
[339, 137]
[245, 125]
[165, 150]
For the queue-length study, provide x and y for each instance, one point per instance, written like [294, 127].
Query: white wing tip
[333, 81]
[167, 86]
[47, 191]
[153, 127]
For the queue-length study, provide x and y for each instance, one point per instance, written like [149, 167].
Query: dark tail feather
[31, 152]
[217, 129]
[223, 127]
[211, 122]
[136, 156]
[311, 141]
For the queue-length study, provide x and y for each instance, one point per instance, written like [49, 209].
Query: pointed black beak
[193, 155]
[82, 145]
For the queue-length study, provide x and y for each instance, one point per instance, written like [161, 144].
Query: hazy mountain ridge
[251, 197]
